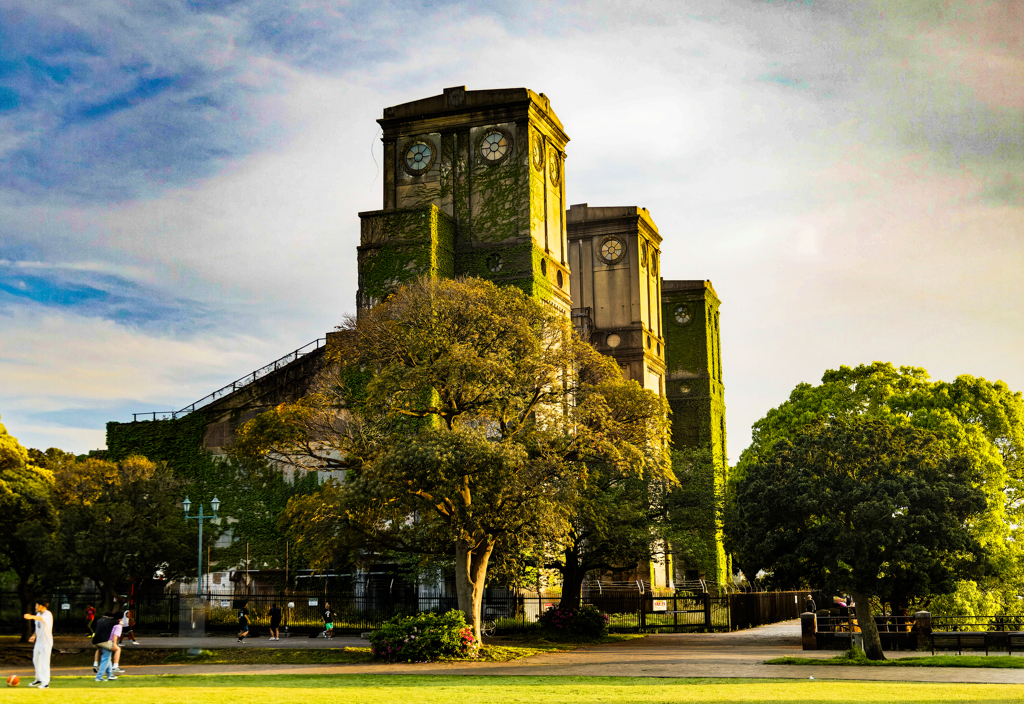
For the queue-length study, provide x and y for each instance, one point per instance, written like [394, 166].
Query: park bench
[976, 640]
[970, 640]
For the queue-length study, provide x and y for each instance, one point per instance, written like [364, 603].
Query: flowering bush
[584, 622]
[423, 637]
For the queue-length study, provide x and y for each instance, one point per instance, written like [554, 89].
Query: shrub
[423, 637]
[585, 622]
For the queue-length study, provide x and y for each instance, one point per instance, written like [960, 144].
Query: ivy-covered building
[474, 184]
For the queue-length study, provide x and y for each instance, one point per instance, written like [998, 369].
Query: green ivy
[251, 496]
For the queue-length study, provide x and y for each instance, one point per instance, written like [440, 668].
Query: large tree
[969, 416]
[28, 521]
[467, 417]
[121, 522]
[860, 506]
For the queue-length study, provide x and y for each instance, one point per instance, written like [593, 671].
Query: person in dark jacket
[275, 622]
[243, 621]
[102, 640]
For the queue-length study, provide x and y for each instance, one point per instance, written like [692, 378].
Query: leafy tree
[969, 416]
[122, 522]
[28, 521]
[861, 506]
[616, 512]
[466, 416]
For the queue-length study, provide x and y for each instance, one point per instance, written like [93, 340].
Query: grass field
[397, 689]
[992, 661]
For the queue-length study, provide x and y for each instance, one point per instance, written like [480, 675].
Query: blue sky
[179, 181]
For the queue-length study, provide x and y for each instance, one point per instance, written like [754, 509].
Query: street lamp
[186, 504]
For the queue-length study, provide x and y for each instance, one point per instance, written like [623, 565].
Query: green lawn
[994, 661]
[439, 689]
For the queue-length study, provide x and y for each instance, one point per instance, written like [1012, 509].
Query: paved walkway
[738, 654]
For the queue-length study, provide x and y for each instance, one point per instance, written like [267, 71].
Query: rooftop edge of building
[584, 213]
[458, 99]
[677, 285]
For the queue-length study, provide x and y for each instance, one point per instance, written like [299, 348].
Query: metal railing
[235, 385]
[355, 612]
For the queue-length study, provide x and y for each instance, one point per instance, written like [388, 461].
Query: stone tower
[473, 185]
[615, 256]
[694, 388]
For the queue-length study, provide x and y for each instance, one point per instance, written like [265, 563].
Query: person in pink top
[115, 636]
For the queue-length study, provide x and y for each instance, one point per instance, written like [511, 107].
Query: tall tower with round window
[473, 185]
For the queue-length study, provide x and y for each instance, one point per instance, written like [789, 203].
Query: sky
[179, 179]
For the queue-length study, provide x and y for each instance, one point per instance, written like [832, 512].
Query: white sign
[291, 604]
[660, 605]
[65, 607]
[225, 604]
[314, 602]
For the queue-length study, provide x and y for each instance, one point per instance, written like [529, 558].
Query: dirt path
[738, 654]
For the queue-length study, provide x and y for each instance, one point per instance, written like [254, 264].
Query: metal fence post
[707, 612]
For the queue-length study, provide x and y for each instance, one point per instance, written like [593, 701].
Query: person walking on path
[243, 621]
[105, 646]
[128, 624]
[43, 639]
[328, 616]
[90, 616]
[275, 622]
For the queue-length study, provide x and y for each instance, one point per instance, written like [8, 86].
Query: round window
[682, 314]
[613, 340]
[555, 166]
[495, 146]
[643, 254]
[612, 250]
[544, 266]
[654, 261]
[648, 342]
[559, 278]
[658, 346]
[494, 262]
[537, 153]
[419, 156]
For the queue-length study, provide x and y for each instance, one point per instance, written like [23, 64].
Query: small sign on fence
[291, 604]
[660, 605]
[225, 604]
[65, 607]
[548, 605]
[314, 602]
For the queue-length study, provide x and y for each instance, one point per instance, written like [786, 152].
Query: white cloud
[838, 173]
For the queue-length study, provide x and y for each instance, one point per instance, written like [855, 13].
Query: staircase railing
[236, 384]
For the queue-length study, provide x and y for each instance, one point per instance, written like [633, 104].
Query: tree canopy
[969, 416]
[861, 506]
[467, 417]
[28, 520]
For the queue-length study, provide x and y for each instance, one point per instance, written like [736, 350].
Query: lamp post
[186, 504]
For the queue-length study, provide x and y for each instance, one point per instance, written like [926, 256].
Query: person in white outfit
[43, 639]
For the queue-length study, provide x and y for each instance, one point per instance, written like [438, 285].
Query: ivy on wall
[406, 243]
[698, 416]
[252, 496]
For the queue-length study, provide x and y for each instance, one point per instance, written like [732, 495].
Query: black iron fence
[302, 614]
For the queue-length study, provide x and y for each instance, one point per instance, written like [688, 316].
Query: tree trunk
[866, 621]
[572, 580]
[27, 607]
[470, 574]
